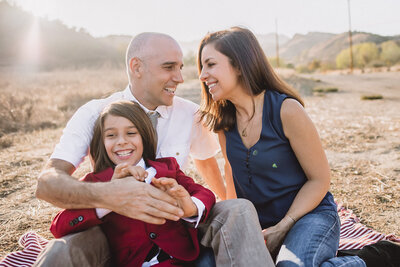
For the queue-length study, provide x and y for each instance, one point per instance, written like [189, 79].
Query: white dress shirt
[179, 131]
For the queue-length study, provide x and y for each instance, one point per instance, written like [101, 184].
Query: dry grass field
[361, 138]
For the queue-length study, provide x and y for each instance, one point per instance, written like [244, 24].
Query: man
[154, 63]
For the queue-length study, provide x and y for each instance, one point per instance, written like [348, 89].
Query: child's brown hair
[134, 113]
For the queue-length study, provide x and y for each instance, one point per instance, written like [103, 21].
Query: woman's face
[218, 74]
[122, 140]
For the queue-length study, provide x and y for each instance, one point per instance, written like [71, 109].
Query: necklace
[250, 122]
[244, 131]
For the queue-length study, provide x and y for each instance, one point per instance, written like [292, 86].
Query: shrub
[371, 97]
[274, 63]
[302, 69]
[290, 66]
[15, 111]
[5, 142]
[377, 63]
[325, 90]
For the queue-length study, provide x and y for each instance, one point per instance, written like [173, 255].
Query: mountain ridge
[61, 47]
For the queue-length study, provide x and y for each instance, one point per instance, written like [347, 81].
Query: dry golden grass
[361, 138]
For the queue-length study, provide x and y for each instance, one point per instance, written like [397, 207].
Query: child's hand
[178, 192]
[123, 170]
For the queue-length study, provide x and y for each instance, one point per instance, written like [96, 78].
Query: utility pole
[350, 40]
[277, 42]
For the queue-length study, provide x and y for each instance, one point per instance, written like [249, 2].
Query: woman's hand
[124, 170]
[179, 193]
[275, 235]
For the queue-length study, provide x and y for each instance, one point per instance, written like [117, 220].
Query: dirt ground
[361, 139]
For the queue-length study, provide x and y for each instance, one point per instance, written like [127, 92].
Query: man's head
[154, 62]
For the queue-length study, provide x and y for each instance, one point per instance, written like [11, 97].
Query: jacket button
[80, 218]
[153, 235]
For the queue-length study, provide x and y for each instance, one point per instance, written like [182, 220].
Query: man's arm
[211, 174]
[125, 196]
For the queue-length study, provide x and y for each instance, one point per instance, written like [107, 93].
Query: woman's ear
[238, 72]
[135, 67]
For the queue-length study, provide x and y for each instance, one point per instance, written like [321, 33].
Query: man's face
[161, 73]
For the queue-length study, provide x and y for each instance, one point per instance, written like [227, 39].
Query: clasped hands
[165, 184]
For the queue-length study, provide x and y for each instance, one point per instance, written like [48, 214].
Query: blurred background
[342, 56]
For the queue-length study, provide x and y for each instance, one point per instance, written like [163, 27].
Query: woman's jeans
[314, 240]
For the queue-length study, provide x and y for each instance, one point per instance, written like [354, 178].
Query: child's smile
[122, 140]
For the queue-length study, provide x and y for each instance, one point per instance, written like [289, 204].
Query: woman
[273, 155]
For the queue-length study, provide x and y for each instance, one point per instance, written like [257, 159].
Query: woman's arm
[305, 142]
[230, 186]
[211, 174]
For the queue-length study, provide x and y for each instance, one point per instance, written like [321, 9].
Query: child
[123, 144]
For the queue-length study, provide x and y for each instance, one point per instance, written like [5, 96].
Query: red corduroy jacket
[131, 240]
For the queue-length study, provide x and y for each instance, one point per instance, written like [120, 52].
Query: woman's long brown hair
[256, 75]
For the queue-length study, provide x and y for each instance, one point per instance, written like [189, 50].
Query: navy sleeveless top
[268, 174]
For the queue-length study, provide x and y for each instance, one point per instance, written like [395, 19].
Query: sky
[188, 20]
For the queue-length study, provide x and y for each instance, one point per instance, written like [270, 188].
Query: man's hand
[124, 170]
[140, 201]
[179, 193]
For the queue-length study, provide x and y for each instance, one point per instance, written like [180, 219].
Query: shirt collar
[164, 111]
[141, 163]
[151, 172]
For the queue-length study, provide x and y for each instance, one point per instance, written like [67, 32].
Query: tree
[363, 54]
[343, 59]
[274, 62]
[390, 52]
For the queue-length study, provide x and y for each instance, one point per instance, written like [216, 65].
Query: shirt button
[255, 152]
[153, 235]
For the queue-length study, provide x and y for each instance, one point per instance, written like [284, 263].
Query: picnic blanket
[353, 235]
[32, 245]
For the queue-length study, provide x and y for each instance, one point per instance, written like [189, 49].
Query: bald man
[154, 62]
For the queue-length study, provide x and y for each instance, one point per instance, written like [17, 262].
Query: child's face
[122, 140]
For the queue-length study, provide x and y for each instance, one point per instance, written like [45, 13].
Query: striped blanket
[353, 235]
[32, 245]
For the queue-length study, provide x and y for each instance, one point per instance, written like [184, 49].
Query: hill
[39, 43]
[267, 41]
[302, 49]
[295, 49]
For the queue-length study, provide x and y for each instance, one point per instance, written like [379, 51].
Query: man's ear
[135, 67]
